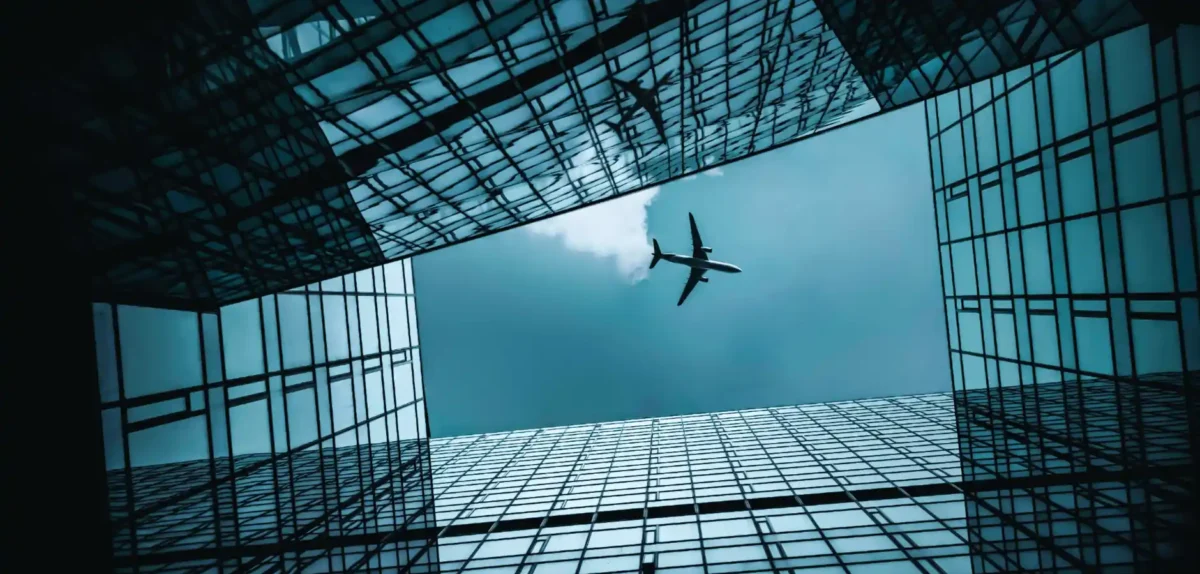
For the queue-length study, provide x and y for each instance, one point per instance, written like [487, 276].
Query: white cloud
[714, 172]
[614, 229]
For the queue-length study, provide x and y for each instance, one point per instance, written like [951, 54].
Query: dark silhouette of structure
[647, 99]
[214, 171]
[230, 186]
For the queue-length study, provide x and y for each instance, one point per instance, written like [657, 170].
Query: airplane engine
[704, 279]
[706, 249]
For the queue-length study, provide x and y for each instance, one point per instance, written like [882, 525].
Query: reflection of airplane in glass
[699, 261]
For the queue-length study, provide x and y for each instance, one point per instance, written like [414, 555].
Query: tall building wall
[263, 144]
[287, 431]
[1065, 195]
[1078, 476]
[860, 486]
[202, 176]
[908, 51]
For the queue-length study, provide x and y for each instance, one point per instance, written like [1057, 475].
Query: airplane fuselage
[696, 263]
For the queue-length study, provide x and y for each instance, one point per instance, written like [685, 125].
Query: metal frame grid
[288, 515]
[286, 432]
[1109, 476]
[912, 50]
[249, 146]
[459, 118]
[1068, 239]
[859, 486]
[282, 142]
[1065, 196]
[201, 174]
[917, 535]
[700, 458]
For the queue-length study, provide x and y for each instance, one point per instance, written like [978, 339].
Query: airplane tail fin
[657, 254]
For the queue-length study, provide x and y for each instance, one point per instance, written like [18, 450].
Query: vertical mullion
[1191, 182]
[266, 364]
[333, 450]
[1092, 129]
[320, 451]
[1124, 287]
[1069, 445]
[370, 446]
[385, 369]
[1151, 527]
[212, 457]
[287, 432]
[233, 496]
[130, 504]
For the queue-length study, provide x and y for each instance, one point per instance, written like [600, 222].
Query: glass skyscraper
[332, 136]
[243, 182]
[1065, 195]
[285, 432]
[1065, 198]
[872, 486]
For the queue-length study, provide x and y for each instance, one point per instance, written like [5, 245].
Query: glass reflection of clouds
[529, 118]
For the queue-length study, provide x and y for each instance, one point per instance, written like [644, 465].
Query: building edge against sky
[1066, 202]
[870, 484]
[1063, 315]
[288, 430]
[334, 136]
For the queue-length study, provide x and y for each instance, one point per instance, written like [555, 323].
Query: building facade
[333, 136]
[858, 486]
[1066, 200]
[1079, 476]
[1065, 196]
[260, 416]
[288, 432]
[1090, 481]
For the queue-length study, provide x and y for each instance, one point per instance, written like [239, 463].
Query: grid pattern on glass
[1096, 426]
[1089, 527]
[918, 535]
[910, 51]
[1108, 475]
[751, 454]
[463, 117]
[283, 431]
[287, 517]
[1065, 196]
[434, 121]
[174, 145]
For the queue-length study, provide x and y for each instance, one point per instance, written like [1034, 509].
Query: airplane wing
[693, 279]
[659, 126]
[696, 242]
[663, 80]
[629, 87]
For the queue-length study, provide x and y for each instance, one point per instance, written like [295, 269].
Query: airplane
[646, 98]
[699, 261]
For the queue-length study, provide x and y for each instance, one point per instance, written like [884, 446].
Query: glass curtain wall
[287, 432]
[1065, 196]
[860, 486]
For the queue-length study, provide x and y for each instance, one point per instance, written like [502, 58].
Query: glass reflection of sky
[539, 135]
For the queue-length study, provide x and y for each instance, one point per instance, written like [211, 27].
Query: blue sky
[561, 323]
